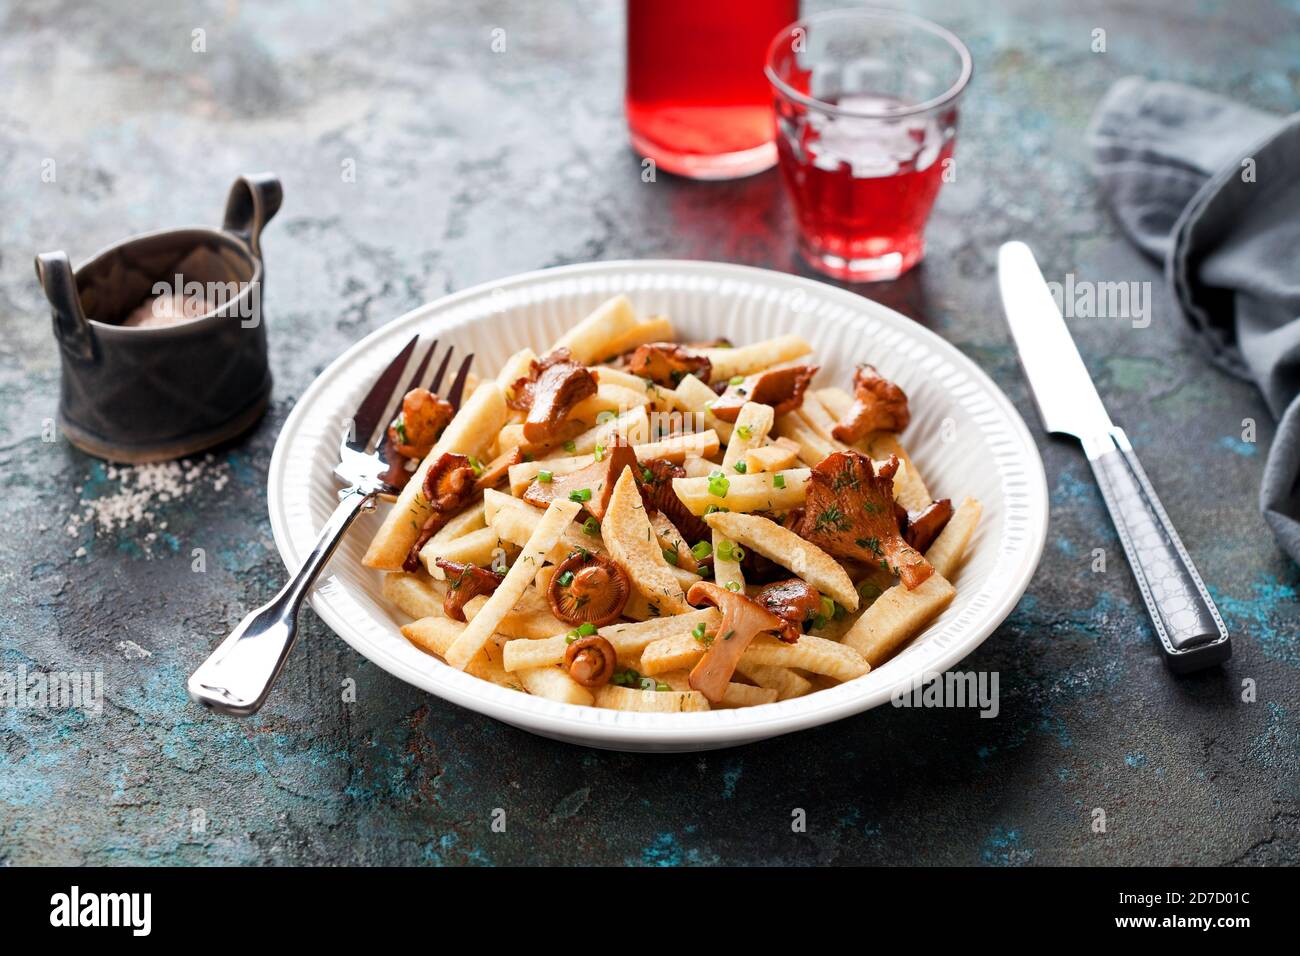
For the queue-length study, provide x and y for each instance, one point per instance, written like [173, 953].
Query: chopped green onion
[647, 476]
[819, 622]
[745, 432]
[697, 631]
[545, 477]
[701, 550]
[565, 579]
[647, 683]
[626, 678]
[570, 446]
[586, 629]
[730, 551]
[580, 494]
[778, 481]
[591, 527]
[712, 508]
[736, 380]
[570, 637]
[733, 585]
[476, 465]
[740, 466]
[718, 484]
[869, 589]
[828, 607]
[600, 453]
[670, 556]
[661, 687]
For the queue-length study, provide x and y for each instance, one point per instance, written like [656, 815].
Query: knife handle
[1191, 631]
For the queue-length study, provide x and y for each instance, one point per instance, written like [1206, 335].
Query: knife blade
[1187, 622]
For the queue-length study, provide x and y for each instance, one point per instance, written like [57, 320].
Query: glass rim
[947, 96]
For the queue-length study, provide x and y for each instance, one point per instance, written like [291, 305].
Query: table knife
[1191, 632]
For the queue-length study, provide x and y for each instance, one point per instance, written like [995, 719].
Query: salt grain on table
[140, 489]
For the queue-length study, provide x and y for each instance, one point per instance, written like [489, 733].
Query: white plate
[965, 437]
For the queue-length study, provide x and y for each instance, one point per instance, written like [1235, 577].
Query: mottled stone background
[471, 166]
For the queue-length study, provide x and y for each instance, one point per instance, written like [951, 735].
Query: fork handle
[238, 676]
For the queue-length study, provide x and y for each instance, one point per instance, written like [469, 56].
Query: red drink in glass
[862, 190]
[866, 106]
[697, 101]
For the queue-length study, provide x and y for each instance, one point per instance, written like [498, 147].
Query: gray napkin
[1212, 189]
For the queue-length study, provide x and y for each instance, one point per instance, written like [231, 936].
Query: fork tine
[376, 438]
[458, 386]
[442, 370]
[418, 377]
[370, 413]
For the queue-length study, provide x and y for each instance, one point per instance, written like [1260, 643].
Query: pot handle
[54, 272]
[254, 199]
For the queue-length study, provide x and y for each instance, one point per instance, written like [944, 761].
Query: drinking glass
[697, 101]
[866, 115]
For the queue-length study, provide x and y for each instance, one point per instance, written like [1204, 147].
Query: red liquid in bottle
[697, 102]
[863, 189]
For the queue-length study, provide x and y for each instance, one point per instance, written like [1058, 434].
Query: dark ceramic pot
[139, 394]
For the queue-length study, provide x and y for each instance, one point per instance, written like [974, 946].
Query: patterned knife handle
[1191, 631]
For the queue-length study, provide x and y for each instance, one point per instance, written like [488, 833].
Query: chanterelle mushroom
[591, 485]
[667, 363]
[742, 621]
[590, 660]
[448, 487]
[466, 581]
[413, 432]
[924, 526]
[793, 599]
[588, 588]
[548, 393]
[494, 471]
[849, 513]
[654, 479]
[782, 388]
[878, 405]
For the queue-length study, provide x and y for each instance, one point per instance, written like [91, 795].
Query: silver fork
[238, 676]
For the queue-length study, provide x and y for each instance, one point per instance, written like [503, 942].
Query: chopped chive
[580, 494]
[670, 556]
[565, 579]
